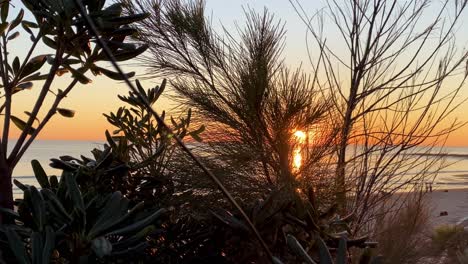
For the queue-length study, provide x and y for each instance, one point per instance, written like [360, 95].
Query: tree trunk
[340, 180]
[6, 192]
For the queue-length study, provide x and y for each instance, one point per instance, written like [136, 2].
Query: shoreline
[452, 201]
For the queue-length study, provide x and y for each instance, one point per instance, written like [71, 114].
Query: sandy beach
[454, 202]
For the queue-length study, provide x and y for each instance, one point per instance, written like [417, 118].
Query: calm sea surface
[43, 151]
[455, 175]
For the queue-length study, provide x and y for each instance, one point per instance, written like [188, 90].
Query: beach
[454, 202]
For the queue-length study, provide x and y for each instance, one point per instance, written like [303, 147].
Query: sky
[92, 100]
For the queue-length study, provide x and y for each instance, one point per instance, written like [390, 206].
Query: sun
[299, 137]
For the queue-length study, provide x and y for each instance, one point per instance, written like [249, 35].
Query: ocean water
[454, 175]
[43, 151]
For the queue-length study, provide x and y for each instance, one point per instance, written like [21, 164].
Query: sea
[453, 176]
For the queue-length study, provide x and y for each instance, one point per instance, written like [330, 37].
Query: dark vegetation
[140, 198]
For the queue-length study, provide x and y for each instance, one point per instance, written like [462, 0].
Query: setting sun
[299, 137]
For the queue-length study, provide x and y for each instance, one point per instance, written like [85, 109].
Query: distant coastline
[448, 155]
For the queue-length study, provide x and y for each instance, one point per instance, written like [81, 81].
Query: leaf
[21, 124]
[101, 246]
[324, 253]
[38, 207]
[49, 245]
[40, 174]
[124, 55]
[49, 42]
[115, 75]
[23, 86]
[28, 25]
[29, 114]
[16, 65]
[74, 192]
[341, 254]
[37, 245]
[53, 181]
[79, 76]
[33, 65]
[13, 36]
[129, 19]
[196, 134]
[16, 246]
[9, 212]
[296, 247]
[20, 185]
[17, 20]
[4, 10]
[66, 112]
[3, 27]
[139, 225]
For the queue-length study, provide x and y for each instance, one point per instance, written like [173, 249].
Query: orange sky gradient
[92, 100]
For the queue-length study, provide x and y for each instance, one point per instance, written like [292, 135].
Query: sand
[454, 202]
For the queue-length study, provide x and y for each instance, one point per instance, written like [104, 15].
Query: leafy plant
[59, 221]
[139, 159]
[285, 219]
[59, 25]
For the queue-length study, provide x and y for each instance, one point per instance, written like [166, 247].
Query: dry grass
[400, 233]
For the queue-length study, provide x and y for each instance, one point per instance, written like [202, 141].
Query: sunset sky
[90, 101]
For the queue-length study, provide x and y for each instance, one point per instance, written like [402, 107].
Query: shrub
[60, 223]
[400, 233]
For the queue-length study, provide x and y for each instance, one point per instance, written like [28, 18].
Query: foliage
[401, 233]
[286, 218]
[394, 91]
[445, 236]
[139, 159]
[240, 88]
[60, 27]
[61, 223]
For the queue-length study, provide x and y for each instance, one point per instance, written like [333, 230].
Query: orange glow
[300, 138]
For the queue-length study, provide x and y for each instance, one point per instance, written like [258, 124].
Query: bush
[400, 233]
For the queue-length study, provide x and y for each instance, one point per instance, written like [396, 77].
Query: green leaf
[20, 185]
[21, 124]
[129, 19]
[16, 65]
[49, 42]
[23, 86]
[125, 54]
[53, 181]
[4, 10]
[49, 245]
[115, 75]
[341, 253]
[38, 207]
[33, 65]
[3, 27]
[74, 192]
[196, 134]
[324, 253]
[297, 248]
[36, 77]
[17, 20]
[79, 76]
[28, 25]
[54, 202]
[66, 112]
[101, 246]
[37, 244]
[13, 36]
[16, 246]
[29, 114]
[135, 227]
[40, 174]
[9, 212]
